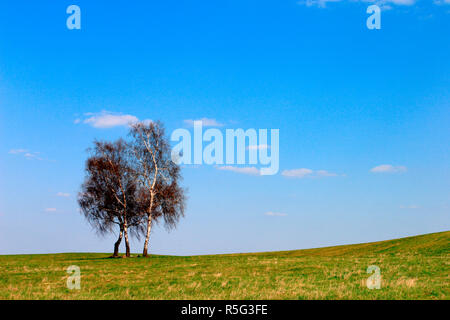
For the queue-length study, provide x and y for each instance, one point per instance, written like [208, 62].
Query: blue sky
[345, 99]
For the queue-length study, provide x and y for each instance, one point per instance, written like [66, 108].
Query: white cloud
[17, 151]
[384, 3]
[305, 173]
[387, 168]
[258, 147]
[398, 2]
[27, 154]
[107, 119]
[244, 170]
[275, 214]
[317, 3]
[325, 173]
[33, 155]
[50, 209]
[206, 122]
[63, 194]
[297, 173]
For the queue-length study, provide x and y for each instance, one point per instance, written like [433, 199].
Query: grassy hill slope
[411, 268]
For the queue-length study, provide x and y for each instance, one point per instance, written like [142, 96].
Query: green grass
[411, 268]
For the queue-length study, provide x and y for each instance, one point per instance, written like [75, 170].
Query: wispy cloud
[275, 214]
[17, 151]
[387, 168]
[297, 173]
[27, 154]
[50, 209]
[244, 170]
[316, 3]
[110, 120]
[305, 173]
[384, 3]
[206, 122]
[325, 173]
[398, 2]
[32, 155]
[441, 2]
[63, 194]
[106, 119]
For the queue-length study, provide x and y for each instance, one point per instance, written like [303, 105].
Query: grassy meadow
[411, 268]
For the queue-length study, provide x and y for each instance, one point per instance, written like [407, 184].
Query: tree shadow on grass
[111, 257]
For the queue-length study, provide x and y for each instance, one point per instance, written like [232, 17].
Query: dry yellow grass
[411, 268]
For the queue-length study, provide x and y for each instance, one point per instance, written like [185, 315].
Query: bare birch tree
[158, 176]
[109, 195]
